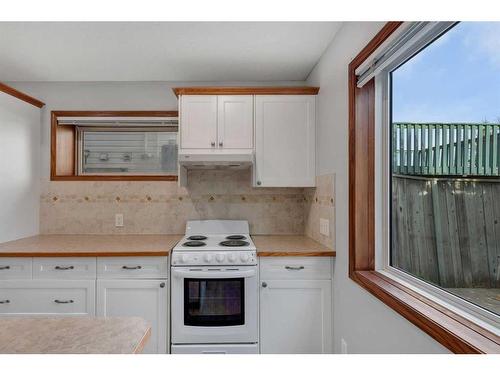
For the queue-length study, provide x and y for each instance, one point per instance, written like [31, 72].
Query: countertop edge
[141, 344]
[304, 253]
[89, 254]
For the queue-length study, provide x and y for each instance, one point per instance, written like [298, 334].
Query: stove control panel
[224, 258]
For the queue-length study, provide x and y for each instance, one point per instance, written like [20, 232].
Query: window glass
[128, 152]
[445, 150]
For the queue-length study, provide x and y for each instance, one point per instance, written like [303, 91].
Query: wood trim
[453, 331]
[62, 166]
[211, 90]
[21, 96]
[458, 335]
[296, 253]
[115, 114]
[115, 178]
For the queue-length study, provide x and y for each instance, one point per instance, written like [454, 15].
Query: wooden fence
[447, 231]
[446, 149]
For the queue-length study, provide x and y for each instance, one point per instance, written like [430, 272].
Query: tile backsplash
[161, 207]
[320, 204]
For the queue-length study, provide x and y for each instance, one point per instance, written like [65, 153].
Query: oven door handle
[213, 274]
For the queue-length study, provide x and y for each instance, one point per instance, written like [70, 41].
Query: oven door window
[214, 302]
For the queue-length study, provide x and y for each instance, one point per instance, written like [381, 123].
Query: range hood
[216, 159]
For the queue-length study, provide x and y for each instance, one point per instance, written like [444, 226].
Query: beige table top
[62, 245]
[286, 245]
[73, 335]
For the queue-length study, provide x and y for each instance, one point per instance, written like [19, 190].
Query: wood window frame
[452, 330]
[63, 147]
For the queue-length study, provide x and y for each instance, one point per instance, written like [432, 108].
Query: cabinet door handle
[131, 267]
[259, 183]
[4, 301]
[64, 268]
[264, 284]
[4, 268]
[162, 285]
[294, 268]
[221, 144]
[212, 144]
[63, 301]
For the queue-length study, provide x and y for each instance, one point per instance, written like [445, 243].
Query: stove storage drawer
[15, 268]
[298, 268]
[132, 267]
[64, 268]
[47, 297]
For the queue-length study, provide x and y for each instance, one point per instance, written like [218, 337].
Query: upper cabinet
[216, 122]
[269, 128]
[235, 121]
[198, 121]
[285, 140]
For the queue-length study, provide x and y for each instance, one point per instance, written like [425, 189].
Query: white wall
[366, 324]
[108, 96]
[19, 168]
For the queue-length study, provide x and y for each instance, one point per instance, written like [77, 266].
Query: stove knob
[208, 258]
[244, 258]
[220, 258]
[232, 258]
[184, 258]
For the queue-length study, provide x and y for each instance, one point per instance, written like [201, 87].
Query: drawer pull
[64, 268]
[4, 268]
[63, 301]
[131, 267]
[5, 301]
[294, 268]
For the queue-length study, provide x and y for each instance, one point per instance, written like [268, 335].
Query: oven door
[214, 305]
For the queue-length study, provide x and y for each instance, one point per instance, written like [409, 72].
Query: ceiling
[161, 51]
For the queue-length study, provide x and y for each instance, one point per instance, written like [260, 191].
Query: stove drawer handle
[4, 302]
[290, 268]
[4, 268]
[131, 267]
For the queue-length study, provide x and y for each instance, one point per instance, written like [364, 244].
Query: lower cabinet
[144, 298]
[296, 309]
[47, 297]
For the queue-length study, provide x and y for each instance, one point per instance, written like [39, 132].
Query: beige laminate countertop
[81, 245]
[74, 335]
[277, 245]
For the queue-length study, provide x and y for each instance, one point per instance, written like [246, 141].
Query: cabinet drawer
[298, 268]
[15, 268]
[132, 268]
[52, 297]
[64, 268]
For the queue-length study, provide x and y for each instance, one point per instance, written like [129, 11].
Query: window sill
[451, 330]
[114, 178]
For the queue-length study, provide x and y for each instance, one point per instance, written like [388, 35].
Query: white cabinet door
[285, 140]
[198, 121]
[296, 316]
[144, 298]
[235, 121]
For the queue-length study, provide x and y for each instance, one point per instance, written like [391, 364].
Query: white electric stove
[215, 242]
[215, 289]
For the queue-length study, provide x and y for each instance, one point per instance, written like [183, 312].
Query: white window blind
[412, 37]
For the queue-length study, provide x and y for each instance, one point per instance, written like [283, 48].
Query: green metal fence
[450, 149]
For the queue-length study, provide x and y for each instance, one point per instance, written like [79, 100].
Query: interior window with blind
[445, 160]
[147, 147]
